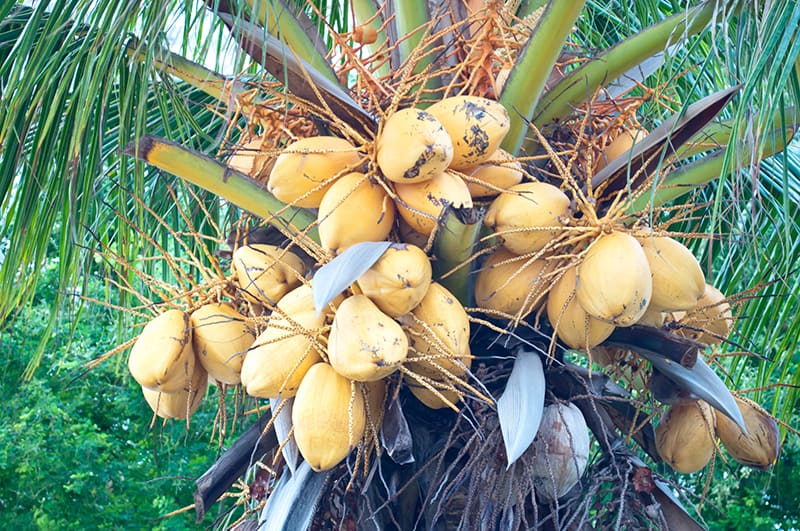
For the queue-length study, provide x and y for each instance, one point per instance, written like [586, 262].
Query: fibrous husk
[221, 337]
[162, 358]
[560, 450]
[528, 216]
[476, 126]
[310, 164]
[515, 287]
[399, 280]
[283, 353]
[576, 328]
[329, 417]
[613, 281]
[501, 171]
[265, 273]
[354, 209]
[180, 404]
[678, 281]
[413, 147]
[364, 343]
[685, 436]
[421, 203]
[760, 446]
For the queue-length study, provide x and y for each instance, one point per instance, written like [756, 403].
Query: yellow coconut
[180, 404]
[375, 396]
[757, 448]
[652, 317]
[476, 125]
[421, 203]
[710, 320]
[431, 399]
[399, 280]
[305, 169]
[283, 353]
[162, 358]
[251, 160]
[413, 147]
[439, 334]
[329, 417]
[221, 338]
[265, 273]
[508, 284]
[620, 146]
[678, 280]
[613, 282]
[685, 436]
[365, 344]
[500, 172]
[528, 216]
[354, 209]
[409, 235]
[576, 328]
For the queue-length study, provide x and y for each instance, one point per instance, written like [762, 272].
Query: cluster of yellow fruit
[622, 278]
[421, 160]
[333, 362]
[687, 433]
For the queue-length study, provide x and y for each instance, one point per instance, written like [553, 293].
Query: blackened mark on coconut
[477, 140]
[413, 171]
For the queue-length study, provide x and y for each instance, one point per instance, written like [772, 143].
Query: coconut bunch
[687, 436]
[337, 363]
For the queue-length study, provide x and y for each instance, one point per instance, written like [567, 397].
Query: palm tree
[103, 105]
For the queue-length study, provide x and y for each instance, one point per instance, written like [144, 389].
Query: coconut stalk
[211, 175]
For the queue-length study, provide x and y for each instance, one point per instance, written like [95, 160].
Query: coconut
[528, 216]
[375, 396]
[678, 280]
[685, 436]
[221, 338]
[251, 160]
[413, 147]
[162, 358]
[180, 404]
[710, 320]
[758, 447]
[421, 203]
[305, 169]
[429, 398]
[500, 172]
[265, 273]
[399, 280]
[365, 344]
[439, 335]
[283, 353]
[576, 328]
[329, 417]
[511, 285]
[620, 146]
[613, 281]
[560, 451]
[354, 209]
[476, 126]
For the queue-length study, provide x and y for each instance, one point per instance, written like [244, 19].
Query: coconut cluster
[686, 436]
[396, 325]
